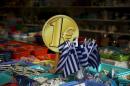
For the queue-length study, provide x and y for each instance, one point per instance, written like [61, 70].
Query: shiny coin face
[58, 29]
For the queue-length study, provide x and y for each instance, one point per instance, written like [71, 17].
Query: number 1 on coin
[57, 27]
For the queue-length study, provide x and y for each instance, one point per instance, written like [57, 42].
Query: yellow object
[58, 29]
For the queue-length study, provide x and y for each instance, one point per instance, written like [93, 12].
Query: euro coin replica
[58, 29]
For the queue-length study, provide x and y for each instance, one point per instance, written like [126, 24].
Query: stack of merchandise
[20, 50]
[114, 53]
[29, 65]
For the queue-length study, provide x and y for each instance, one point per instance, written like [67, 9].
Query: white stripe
[70, 65]
[61, 63]
[94, 56]
[75, 64]
[85, 64]
[68, 70]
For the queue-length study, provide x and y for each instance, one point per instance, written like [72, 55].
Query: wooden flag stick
[53, 70]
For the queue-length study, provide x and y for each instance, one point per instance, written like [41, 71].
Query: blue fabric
[24, 81]
[93, 83]
[68, 62]
[88, 54]
[74, 55]
[87, 83]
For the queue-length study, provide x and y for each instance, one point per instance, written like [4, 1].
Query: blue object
[25, 81]
[113, 83]
[93, 83]
[5, 55]
[9, 62]
[16, 61]
[44, 68]
[87, 83]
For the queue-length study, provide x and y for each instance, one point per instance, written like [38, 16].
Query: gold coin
[58, 29]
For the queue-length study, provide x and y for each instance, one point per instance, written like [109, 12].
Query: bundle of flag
[68, 62]
[91, 49]
[75, 55]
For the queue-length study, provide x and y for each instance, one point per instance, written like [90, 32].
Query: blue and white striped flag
[64, 50]
[74, 55]
[68, 62]
[88, 54]
[82, 54]
[93, 54]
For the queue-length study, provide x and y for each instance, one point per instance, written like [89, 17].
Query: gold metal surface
[58, 29]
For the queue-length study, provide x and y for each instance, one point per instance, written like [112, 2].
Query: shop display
[74, 62]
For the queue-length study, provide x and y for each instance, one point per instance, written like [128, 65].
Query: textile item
[93, 54]
[82, 54]
[88, 54]
[68, 62]
[74, 56]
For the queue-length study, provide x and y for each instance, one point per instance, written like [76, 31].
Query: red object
[46, 57]
[20, 53]
[1, 45]
[81, 39]
[13, 28]
[11, 84]
[14, 42]
[51, 56]
[40, 51]
[28, 47]
[42, 57]
[11, 48]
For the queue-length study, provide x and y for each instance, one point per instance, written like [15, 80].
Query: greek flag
[68, 62]
[93, 55]
[82, 54]
[75, 55]
[64, 50]
[88, 54]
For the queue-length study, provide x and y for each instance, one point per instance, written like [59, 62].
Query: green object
[44, 68]
[120, 57]
[106, 56]
[123, 82]
[5, 78]
[19, 26]
[117, 54]
[107, 67]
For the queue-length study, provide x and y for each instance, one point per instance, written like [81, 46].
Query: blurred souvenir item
[53, 82]
[128, 77]
[58, 29]
[24, 37]
[80, 74]
[5, 78]
[112, 29]
[16, 36]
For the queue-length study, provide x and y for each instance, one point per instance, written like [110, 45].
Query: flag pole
[53, 70]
